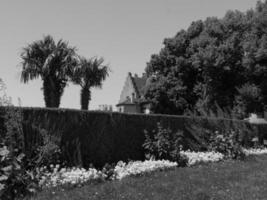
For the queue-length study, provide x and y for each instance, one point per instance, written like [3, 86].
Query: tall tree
[204, 66]
[90, 73]
[51, 62]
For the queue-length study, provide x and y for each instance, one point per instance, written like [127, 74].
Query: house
[132, 95]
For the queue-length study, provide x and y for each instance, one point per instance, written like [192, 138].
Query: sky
[125, 32]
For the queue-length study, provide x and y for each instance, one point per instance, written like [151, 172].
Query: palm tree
[90, 73]
[51, 62]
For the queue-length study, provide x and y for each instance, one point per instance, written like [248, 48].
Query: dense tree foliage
[208, 63]
[51, 62]
[89, 73]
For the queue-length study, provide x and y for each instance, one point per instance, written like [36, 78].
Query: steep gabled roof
[132, 90]
[139, 83]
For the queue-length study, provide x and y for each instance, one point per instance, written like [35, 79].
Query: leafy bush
[48, 151]
[229, 145]
[15, 179]
[19, 172]
[165, 145]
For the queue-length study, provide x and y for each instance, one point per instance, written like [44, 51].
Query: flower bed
[68, 176]
[202, 157]
[255, 151]
[138, 167]
[79, 176]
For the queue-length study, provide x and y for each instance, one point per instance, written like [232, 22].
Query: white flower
[198, 157]
[255, 151]
[3, 178]
[138, 167]
[73, 176]
[4, 152]
[2, 186]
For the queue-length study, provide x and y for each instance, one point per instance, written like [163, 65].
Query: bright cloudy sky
[124, 32]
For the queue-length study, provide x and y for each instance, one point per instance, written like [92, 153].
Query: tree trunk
[85, 98]
[52, 90]
[55, 99]
[46, 92]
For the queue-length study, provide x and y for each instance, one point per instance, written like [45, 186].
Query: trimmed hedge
[107, 137]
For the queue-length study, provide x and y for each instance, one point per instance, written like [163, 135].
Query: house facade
[132, 93]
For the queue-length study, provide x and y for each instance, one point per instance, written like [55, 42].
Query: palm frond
[90, 72]
[47, 58]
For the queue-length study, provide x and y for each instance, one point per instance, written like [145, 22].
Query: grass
[227, 180]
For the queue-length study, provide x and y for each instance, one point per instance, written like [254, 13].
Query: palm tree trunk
[46, 92]
[53, 91]
[85, 98]
[55, 99]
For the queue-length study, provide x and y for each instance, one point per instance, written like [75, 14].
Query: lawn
[229, 180]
